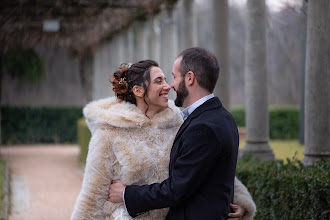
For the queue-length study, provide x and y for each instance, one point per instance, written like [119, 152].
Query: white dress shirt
[187, 111]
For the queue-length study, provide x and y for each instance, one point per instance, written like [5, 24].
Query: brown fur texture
[127, 145]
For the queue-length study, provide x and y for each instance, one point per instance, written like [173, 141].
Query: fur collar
[114, 112]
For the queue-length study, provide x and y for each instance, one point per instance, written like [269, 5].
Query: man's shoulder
[215, 118]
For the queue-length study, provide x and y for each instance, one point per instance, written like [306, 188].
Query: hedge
[59, 124]
[83, 137]
[283, 121]
[39, 124]
[287, 190]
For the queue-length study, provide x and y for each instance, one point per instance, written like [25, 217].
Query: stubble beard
[181, 94]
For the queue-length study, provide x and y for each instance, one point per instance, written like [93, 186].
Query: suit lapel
[209, 104]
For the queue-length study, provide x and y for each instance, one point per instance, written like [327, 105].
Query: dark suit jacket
[201, 170]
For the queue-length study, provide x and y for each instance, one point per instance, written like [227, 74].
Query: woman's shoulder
[114, 112]
[169, 118]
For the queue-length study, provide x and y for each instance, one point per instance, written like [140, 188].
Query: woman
[132, 136]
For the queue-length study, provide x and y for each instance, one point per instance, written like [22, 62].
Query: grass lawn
[284, 149]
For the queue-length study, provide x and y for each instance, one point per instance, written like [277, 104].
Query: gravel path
[45, 180]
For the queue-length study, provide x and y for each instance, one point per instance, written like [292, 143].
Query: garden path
[45, 180]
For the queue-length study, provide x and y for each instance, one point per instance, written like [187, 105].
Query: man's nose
[172, 85]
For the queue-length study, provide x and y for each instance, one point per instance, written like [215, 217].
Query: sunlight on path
[46, 180]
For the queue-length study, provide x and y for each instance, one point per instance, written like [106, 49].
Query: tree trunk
[154, 38]
[302, 89]
[317, 97]
[1, 69]
[187, 25]
[169, 43]
[86, 74]
[220, 42]
[142, 43]
[256, 110]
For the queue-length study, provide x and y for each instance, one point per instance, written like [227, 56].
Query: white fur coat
[126, 145]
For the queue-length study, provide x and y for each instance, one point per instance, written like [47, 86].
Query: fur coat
[127, 145]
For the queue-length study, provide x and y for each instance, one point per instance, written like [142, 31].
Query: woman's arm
[97, 178]
[243, 198]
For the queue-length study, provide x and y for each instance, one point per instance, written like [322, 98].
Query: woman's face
[157, 94]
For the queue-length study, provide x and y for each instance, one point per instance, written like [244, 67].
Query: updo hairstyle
[128, 76]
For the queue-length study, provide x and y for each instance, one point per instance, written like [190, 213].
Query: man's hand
[238, 212]
[116, 191]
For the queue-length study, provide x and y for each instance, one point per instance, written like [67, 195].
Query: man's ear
[190, 78]
[138, 91]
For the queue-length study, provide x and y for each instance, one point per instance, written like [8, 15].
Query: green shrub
[283, 121]
[287, 190]
[83, 136]
[239, 115]
[39, 124]
[24, 64]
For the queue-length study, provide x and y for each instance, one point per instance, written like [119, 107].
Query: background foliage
[59, 124]
[24, 64]
[39, 124]
[283, 121]
[287, 190]
[83, 137]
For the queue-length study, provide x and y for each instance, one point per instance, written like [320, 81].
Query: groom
[204, 153]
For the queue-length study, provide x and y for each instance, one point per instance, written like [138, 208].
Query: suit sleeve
[198, 154]
[96, 181]
[243, 198]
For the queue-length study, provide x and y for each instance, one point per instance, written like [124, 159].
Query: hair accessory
[118, 80]
[127, 65]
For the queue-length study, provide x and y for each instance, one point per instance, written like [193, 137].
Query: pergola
[75, 24]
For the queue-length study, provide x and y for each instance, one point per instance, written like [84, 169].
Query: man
[204, 153]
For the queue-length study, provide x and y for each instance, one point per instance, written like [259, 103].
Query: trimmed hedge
[39, 124]
[287, 190]
[283, 121]
[239, 115]
[83, 137]
[59, 124]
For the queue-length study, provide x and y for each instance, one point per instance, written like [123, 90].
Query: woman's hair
[128, 76]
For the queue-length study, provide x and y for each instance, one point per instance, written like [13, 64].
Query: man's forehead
[176, 65]
[178, 60]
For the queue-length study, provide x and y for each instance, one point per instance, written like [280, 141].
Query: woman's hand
[238, 212]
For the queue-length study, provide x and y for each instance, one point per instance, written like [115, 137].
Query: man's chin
[178, 102]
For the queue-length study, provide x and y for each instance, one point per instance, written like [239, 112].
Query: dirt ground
[45, 180]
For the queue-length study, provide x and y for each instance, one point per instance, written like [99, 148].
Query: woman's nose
[167, 86]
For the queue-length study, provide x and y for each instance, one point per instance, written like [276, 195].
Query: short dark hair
[203, 64]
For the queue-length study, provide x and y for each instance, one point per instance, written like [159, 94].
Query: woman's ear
[138, 91]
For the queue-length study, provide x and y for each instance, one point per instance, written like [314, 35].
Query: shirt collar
[187, 111]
